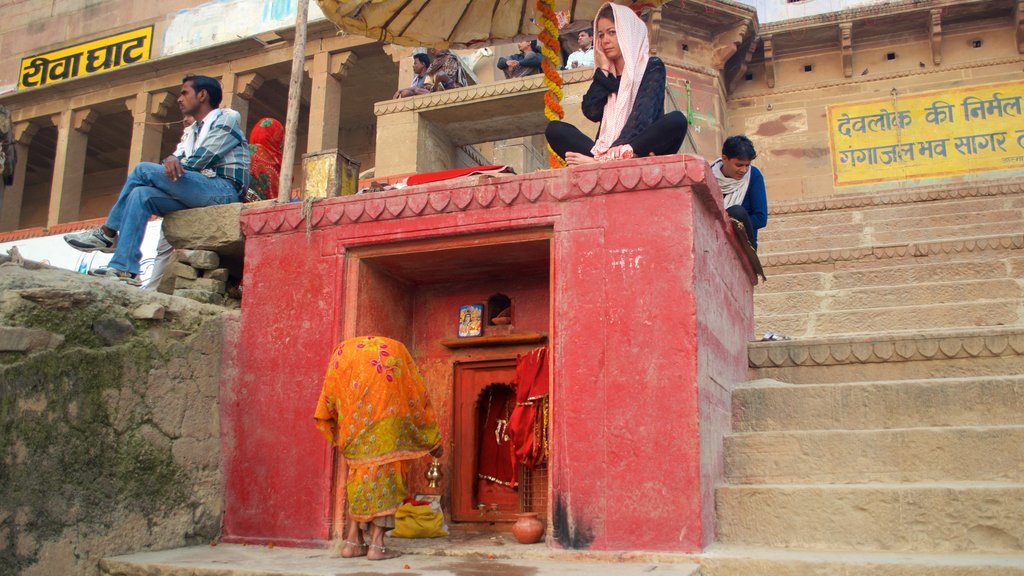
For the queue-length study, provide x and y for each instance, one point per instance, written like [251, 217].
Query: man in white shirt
[584, 57]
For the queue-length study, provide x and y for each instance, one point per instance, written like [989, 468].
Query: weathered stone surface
[183, 283]
[210, 285]
[105, 454]
[57, 298]
[947, 454]
[183, 270]
[15, 339]
[221, 274]
[771, 406]
[113, 330]
[213, 228]
[743, 561]
[201, 296]
[934, 517]
[150, 311]
[201, 259]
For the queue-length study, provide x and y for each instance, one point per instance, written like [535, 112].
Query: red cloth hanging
[494, 459]
[531, 389]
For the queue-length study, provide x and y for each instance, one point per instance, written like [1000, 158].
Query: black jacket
[648, 106]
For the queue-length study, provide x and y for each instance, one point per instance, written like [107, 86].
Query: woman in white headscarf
[627, 97]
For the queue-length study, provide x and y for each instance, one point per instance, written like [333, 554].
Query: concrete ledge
[723, 560]
[889, 347]
[947, 191]
[892, 251]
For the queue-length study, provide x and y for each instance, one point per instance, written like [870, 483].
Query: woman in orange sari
[375, 408]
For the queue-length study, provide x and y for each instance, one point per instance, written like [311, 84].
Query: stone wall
[109, 425]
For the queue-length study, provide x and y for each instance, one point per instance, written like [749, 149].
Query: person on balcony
[584, 57]
[525, 63]
[420, 80]
[375, 408]
[627, 97]
[212, 168]
[742, 185]
[445, 71]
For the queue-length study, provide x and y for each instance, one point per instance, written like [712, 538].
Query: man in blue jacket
[742, 185]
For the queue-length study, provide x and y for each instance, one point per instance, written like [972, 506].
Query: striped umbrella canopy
[456, 23]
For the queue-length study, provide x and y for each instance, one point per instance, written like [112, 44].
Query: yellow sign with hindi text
[928, 135]
[86, 58]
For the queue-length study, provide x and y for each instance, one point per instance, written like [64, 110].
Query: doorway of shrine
[489, 485]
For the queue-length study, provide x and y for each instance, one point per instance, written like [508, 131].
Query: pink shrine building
[629, 272]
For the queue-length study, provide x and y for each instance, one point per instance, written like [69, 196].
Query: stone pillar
[69, 164]
[148, 110]
[409, 143]
[238, 91]
[10, 210]
[326, 71]
[401, 56]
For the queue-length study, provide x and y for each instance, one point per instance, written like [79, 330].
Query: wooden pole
[291, 125]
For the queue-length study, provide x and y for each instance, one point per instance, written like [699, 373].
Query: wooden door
[474, 500]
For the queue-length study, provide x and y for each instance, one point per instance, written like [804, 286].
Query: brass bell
[433, 473]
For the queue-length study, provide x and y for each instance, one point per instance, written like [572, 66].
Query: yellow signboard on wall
[87, 58]
[928, 135]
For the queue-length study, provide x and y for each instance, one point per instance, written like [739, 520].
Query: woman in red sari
[375, 408]
[266, 146]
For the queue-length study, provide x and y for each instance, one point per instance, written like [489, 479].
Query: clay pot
[528, 529]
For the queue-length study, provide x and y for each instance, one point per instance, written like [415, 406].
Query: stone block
[210, 285]
[221, 274]
[767, 405]
[182, 270]
[201, 259]
[165, 285]
[113, 331]
[149, 311]
[201, 296]
[946, 517]
[15, 339]
[182, 283]
[208, 228]
[950, 454]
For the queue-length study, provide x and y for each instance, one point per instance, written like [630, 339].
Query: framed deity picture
[471, 320]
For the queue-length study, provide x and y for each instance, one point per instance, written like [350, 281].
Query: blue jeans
[148, 191]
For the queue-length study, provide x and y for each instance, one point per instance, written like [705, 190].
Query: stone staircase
[888, 436]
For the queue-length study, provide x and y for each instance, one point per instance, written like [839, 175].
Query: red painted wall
[647, 302]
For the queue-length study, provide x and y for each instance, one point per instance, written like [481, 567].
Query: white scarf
[192, 141]
[734, 190]
[635, 49]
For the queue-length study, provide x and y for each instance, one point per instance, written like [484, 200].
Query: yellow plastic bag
[423, 521]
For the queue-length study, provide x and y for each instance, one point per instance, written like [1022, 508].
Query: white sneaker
[92, 241]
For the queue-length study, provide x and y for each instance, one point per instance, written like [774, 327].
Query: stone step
[948, 199]
[436, 557]
[771, 406]
[899, 254]
[948, 517]
[726, 560]
[917, 271]
[907, 355]
[949, 454]
[1005, 312]
[867, 237]
[893, 221]
[892, 296]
